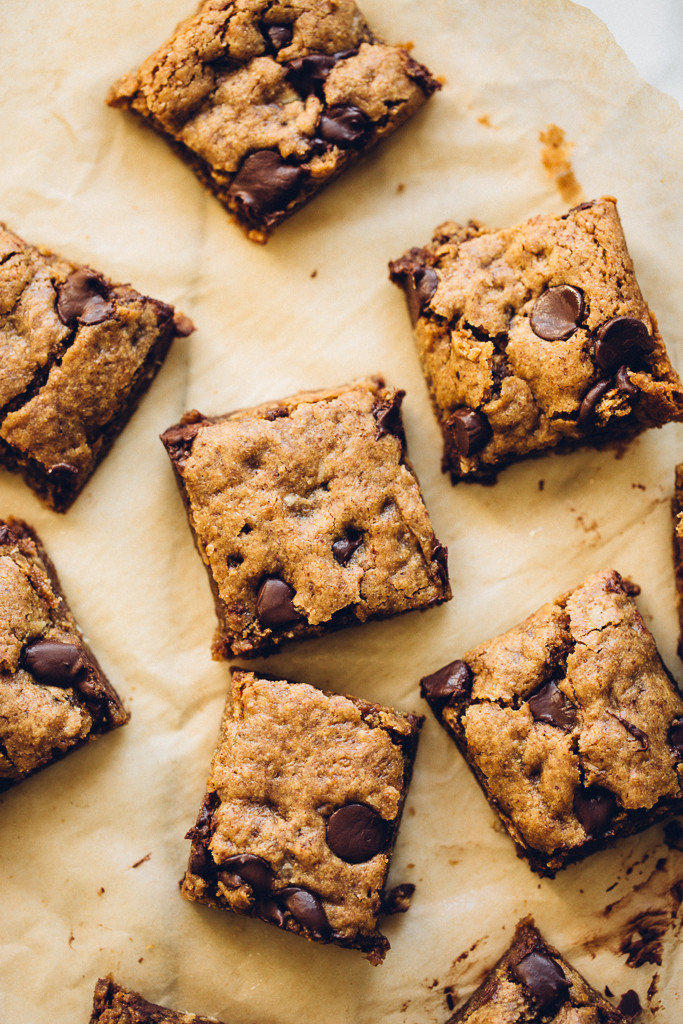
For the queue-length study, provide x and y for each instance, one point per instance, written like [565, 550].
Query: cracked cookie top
[571, 722]
[307, 514]
[535, 337]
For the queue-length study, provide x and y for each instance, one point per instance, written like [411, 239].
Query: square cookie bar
[301, 812]
[53, 694]
[535, 338]
[77, 354]
[307, 515]
[533, 982]
[570, 722]
[267, 102]
[113, 1004]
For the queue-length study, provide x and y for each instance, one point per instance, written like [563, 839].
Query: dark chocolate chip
[594, 807]
[676, 737]
[264, 183]
[203, 827]
[453, 680]
[388, 416]
[629, 1004]
[274, 606]
[279, 36]
[54, 662]
[343, 548]
[622, 340]
[550, 705]
[557, 313]
[343, 126]
[271, 911]
[64, 474]
[307, 74]
[467, 431]
[253, 870]
[637, 733]
[356, 833]
[83, 298]
[178, 442]
[440, 556]
[397, 900]
[544, 977]
[201, 862]
[624, 382]
[587, 408]
[306, 909]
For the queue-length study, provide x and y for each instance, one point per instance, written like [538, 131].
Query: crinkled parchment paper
[92, 849]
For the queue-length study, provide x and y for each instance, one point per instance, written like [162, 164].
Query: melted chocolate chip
[64, 474]
[83, 298]
[343, 126]
[544, 977]
[264, 183]
[637, 733]
[587, 408]
[624, 382]
[557, 313]
[453, 680]
[307, 74]
[356, 833]
[343, 548]
[247, 867]
[676, 737]
[440, 556]
[550, 705]
[388, 416]
[201, 862]
[278, 36]
[271, 911]
[306, 909]
[594, 807]
[421, 285]
[178, 442]
[202, 829]
[274, 607]
[467, 431]
[54, 662]
[622, 340]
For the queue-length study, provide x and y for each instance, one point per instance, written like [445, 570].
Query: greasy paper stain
[555, 159]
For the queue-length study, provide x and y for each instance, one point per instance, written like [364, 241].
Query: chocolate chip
[83, 298]
[356, 833]
[178, 442]
[54, 662]
[388, 416]
[624, 382]
[271, 911]
[557, 313]
[306, 909]
[274, 606]
[307, 74]
[544, 977]
[637, 733]
[624, 339]
[467, 431]
[676, 737]
[249, 868]
[440, 556]
[587, 408]
[201, 862]
[343, 126]
[343, 548]
[279, 36]
[594, 807]
[264, 183]
[397, 900]
[421, 285]
[453, 680]
[550, 705]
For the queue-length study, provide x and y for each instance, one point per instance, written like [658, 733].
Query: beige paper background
[93, 184]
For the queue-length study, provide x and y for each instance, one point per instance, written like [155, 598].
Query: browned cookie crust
[77, 354]
[268, 101]
[535, 338]
[302, 810]
[677, 514]
[532, 983]
[113, 1004]
[53, 694]
[570, 722]
[307, 515]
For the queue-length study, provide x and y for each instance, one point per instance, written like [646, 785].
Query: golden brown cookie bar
[113, 1004]
[570, 722]
[301, 812]
[267, 102]
[78, 352]
[53, 694]
[308, 515]
[533, 982]
[535, 338]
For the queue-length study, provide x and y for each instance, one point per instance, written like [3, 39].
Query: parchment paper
[92, 849]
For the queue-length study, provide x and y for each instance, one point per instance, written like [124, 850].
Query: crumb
[314, 273]
[100, 891]
[141, 861]
[541, 484]
[555, 159]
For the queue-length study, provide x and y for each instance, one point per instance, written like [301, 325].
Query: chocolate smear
[307, 74]
[557, 313]
[641, 736]
[306, 909]
[388, 416]
[264, 183]
[588, 406]
[344, 126]
[343, 548]
[594, 807]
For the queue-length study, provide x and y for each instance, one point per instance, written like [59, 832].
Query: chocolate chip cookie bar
[533, 982]
[535, 338]
[267, 102]
[53, 694]
[301, 812]
[78, 352]
[570, 722]
[677, 513]
[307, 514]
[113, 1004]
